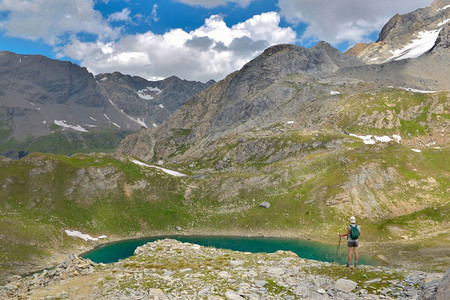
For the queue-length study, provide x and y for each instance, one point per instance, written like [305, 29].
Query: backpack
[354, 232]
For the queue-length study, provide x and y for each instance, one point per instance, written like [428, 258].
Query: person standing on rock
[353, 234]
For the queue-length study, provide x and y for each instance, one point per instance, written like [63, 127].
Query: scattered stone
[224, 274]
[373, 281]
[232, 296]
[157, 294]
[235, 263]
[260, 283]
[264, 204]
[14, 278]
[243, 275]
[276, 271]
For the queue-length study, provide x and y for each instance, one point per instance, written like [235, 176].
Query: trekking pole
[337, 249]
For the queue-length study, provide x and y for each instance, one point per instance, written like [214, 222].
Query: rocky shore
[168, 269]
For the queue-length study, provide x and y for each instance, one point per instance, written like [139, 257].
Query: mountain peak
[406, 36]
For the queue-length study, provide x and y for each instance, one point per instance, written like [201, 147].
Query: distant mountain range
[289, 82]
[43, 99]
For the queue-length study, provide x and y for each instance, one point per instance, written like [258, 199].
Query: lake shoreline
[378, 250]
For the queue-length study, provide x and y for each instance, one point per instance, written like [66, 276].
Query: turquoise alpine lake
[116, 251]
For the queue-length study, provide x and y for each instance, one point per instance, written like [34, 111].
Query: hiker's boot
[356, 264]
[348, 265]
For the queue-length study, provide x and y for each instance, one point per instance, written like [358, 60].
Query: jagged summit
[319, 60]
[406, 36]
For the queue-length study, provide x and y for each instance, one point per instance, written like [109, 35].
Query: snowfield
[443, 22]
[372, 139]
[419, 91]
[143, 94]
[83, 236]
[445, 7]
[63, 123]
[170, 172]
[424, 42]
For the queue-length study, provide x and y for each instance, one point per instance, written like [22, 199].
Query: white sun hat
[352, 220]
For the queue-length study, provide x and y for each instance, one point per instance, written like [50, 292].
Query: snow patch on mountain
[418, 91]
[139, 121]
[63, 123]
[372, 139]
[84, 236]
[445, 7]
[443, 22]
[144, 93]
[170, 172]
[424, 42]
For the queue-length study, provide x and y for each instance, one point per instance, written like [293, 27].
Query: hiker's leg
[349, 257]
[356, 255]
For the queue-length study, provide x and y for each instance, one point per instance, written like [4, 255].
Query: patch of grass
[180, 132]
[359, 275]
[411, 128]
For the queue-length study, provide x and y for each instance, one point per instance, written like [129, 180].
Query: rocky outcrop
[435, 288]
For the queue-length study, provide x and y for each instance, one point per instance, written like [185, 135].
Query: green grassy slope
[314, 180]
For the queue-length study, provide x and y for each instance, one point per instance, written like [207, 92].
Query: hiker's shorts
[352, 244]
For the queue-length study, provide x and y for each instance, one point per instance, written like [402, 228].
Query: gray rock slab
[264, 204]
[233, 296]
[345, 285]
[443, 291]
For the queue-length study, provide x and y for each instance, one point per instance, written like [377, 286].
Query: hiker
[353, 234]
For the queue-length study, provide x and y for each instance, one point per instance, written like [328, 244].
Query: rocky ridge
[151, 102]
[169, 269]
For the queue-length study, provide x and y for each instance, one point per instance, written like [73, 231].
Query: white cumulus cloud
[338, 21]
[122, 16]
[51, 20]
[211, 51]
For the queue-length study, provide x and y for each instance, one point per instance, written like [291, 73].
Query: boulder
[345, 285]
[232, 296]
[264, 204]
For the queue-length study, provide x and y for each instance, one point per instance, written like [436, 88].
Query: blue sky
[192, 39]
